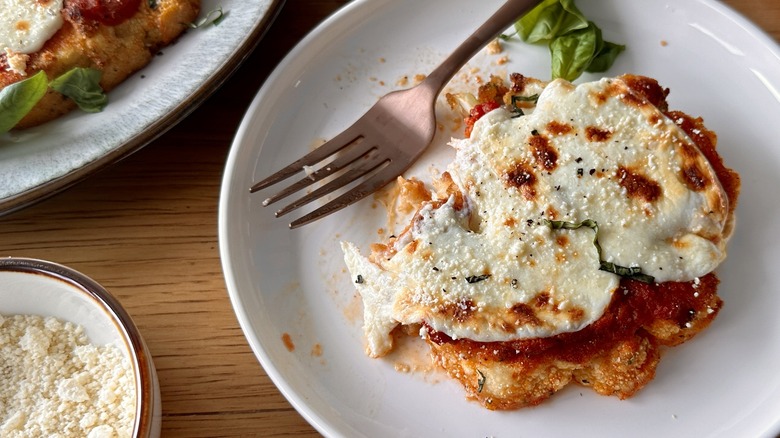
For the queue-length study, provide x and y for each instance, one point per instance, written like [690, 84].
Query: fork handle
[507, 14]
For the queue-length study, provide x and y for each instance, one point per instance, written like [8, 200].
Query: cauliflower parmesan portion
[573, 237]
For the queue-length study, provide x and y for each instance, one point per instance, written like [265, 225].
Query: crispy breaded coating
[623, 370]
[503, 385]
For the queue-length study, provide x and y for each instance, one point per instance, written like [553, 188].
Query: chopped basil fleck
[519, 111]
[477, 278]
[480, 381]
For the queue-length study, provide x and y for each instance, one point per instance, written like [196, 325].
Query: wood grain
[146, 228]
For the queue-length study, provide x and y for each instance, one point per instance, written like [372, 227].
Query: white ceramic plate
[38, 162]
[723, 383]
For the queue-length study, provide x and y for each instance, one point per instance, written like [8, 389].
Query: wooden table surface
[146, 228]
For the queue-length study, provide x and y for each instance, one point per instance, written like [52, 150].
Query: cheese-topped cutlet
[553, 210]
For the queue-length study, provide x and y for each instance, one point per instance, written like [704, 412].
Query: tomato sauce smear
[108, 12]
[476, 113]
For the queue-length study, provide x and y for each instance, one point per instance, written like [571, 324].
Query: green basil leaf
[572, 53]
[16, 100]
[576, 45]
[599, 39]
[82, 85]
[605, 57]
[549, 20]
[632, 272]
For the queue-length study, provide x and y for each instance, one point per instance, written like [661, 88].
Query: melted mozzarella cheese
[26, 25]
[492, 269]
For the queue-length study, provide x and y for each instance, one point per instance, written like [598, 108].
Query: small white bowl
[37, 287]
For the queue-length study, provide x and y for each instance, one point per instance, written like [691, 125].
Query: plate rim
[317, 421]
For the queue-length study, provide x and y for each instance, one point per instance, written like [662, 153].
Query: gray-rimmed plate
[41, 161]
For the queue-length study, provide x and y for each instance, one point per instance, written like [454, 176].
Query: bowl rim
[141, 360]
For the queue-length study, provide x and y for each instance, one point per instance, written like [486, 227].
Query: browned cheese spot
[460, 311]
[599, 98]
[543, 152]
[637, 185]
[542, 300]
[706, 141]
[679, 244]
[522, 177]
[593, 133]
[525, 315]
[558, 128]
[22, 25]
[576, 314]
[654, 119]
[382, 251]
[693, 176]
[633, 99]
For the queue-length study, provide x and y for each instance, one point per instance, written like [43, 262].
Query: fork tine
[348, 157]
[369, 162]
[341, 140]
[371, 185]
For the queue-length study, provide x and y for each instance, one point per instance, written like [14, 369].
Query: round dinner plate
[297, 305]
[38, 162]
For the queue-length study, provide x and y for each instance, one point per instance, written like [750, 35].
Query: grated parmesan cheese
[54, 383]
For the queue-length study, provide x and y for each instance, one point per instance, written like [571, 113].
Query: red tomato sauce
[108, 12]
[635, 305]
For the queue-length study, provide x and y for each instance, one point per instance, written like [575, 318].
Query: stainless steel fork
[386, 140]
